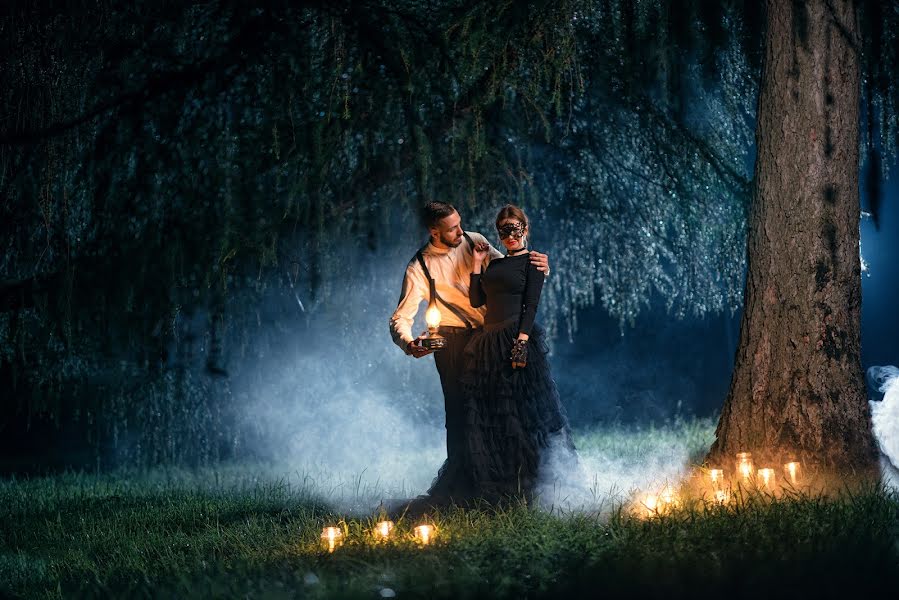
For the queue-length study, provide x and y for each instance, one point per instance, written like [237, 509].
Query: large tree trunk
[797, 386]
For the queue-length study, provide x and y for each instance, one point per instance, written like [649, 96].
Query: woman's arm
[476, 295]
[530, 301]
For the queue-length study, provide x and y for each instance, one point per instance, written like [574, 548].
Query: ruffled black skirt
[512, 417]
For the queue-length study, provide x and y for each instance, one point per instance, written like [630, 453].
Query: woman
[513, 412]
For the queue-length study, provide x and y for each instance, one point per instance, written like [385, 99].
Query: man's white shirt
[451, 269]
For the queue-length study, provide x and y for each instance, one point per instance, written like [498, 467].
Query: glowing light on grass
[668, 498]
[424, 534]
[650, 505]
[332, 537]
[766, 478]
[722, 497]
[792, 469]
[744, 465]
[383, 529]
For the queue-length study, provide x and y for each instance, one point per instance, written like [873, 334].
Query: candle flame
[767, 476]
[744, 464]
[424, 533]
[668, 496]
[332, 536]
[384, 528]
[793, 470]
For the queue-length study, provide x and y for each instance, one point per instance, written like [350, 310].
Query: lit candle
[717, 475]
[668, 497]
[767, 478]
[744, 465]
[383, 529]
[792, 469]
[424, 533]
[651, 504]
[332, 537]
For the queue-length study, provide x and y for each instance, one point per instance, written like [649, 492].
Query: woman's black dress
[512, 416]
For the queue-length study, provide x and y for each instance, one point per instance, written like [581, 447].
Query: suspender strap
[435, 295]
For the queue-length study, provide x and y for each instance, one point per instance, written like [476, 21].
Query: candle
[651, 504]
[332, 537]
[766, 478]
[424, 533]
[668, 497]
[717, 475]
[383, 529]
[744, 465]
[792, 469]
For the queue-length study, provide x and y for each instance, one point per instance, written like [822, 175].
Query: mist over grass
[252, 530]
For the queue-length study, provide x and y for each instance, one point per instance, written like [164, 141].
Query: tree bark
[797, 387]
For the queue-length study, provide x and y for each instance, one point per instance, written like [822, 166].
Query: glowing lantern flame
[717, 475]
[432, 316]
[332, 536]
[424, 533]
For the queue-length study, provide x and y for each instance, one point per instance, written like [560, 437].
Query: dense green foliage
[166, 168]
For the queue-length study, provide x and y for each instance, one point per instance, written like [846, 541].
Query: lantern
[433, 341]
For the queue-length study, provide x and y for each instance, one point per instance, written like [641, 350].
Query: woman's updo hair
[510, 211]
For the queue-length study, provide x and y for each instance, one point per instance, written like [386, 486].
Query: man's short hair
[433, 212]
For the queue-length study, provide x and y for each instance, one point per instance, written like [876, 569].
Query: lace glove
[519, 353]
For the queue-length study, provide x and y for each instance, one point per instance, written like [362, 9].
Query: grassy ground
[241, 532]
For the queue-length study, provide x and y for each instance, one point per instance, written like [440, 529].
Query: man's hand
[416, 349]
[541, 261]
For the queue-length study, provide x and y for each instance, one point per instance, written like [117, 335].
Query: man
[447, 257]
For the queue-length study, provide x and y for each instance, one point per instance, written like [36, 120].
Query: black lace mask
[516, 230]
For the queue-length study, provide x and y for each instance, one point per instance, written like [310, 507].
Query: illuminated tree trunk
[797, 386]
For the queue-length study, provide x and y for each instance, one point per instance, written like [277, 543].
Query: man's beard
[451, 243]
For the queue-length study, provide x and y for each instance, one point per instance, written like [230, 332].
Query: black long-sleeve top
[502, 288]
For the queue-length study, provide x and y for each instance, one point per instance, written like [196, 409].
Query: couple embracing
[503, 412]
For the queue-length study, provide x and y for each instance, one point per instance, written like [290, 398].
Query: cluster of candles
[655, 504]
[383, 530]
[764, 478]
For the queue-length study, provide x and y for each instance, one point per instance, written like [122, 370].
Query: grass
[240, 532]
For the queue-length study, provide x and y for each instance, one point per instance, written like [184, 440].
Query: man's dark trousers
[451, 364]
